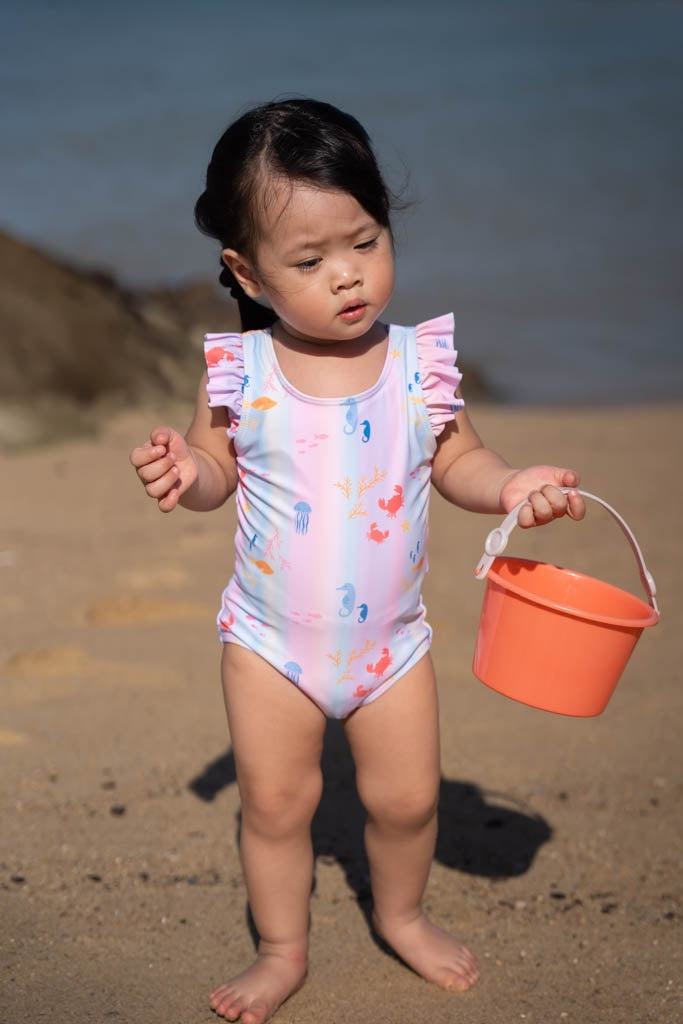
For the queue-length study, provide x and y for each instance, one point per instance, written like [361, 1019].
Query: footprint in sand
[41, 673]
[48, 661]
[164, 577]
[8, 738]
[141, 609]
[66, 671]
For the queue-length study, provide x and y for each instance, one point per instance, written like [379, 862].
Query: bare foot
[254, 996]
[432, 952]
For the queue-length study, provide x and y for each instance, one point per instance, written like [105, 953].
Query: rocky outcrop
[75, 344]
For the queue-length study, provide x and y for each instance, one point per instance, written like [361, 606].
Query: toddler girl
[330, 426]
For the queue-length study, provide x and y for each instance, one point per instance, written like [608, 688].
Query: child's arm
[198, 471]
[478, 479]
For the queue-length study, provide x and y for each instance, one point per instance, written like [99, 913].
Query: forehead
[297, 208]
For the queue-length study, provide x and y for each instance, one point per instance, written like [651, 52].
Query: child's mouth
[353, 313]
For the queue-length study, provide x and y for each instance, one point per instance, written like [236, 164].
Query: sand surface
[121, 896]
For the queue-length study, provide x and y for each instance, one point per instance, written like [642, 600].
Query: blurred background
[538, 143]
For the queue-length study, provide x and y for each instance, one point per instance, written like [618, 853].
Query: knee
[277, 809]
[406, 807]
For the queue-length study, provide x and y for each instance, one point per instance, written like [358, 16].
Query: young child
[330, 427]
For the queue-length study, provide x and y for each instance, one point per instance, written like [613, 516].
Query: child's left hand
[541, 485]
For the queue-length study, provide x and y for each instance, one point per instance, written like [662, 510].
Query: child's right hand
[166, 466]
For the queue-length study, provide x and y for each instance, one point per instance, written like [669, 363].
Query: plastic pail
[554, 638]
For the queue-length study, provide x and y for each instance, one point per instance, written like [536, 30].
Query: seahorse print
[351, 416]
[348, 600]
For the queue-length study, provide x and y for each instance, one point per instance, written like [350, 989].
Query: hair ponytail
[253, 316]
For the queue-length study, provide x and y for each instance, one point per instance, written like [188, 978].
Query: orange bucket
[554, 638]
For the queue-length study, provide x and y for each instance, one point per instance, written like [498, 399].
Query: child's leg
[395, 744]
[277, 735]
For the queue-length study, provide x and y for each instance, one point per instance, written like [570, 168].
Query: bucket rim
[611, 620]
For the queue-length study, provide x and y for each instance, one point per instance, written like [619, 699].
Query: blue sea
[539, 145]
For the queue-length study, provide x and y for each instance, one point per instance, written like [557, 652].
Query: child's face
[323, 263]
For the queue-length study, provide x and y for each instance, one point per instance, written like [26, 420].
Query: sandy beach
[121, 896]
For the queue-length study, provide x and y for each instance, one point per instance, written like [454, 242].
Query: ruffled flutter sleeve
[439, 375]
[225, 366]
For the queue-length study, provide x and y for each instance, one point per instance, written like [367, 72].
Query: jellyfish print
[293, 671]
[351, 416]
[303, 512]
[348, 600]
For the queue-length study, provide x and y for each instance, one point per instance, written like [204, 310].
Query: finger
[525, 516]
[155, 470]
[161, 487]
[570, 478]
[542, 510]
[145, 454]
[161, 435]
[556, 498]
[170, 500]
[577, 506]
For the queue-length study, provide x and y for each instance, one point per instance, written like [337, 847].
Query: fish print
[218, 355]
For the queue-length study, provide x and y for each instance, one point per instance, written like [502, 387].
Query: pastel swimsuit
[332, 501]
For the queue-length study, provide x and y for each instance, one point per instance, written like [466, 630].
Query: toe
[256, 1014]
[225, 1003]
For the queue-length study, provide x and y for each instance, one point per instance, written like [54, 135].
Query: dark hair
[301, 139]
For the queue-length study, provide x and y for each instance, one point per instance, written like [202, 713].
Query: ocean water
[539, 144]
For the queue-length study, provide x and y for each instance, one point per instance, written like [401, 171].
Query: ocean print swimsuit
[332, 501]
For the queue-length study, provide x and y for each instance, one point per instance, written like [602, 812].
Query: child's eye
[367, 245]
[308, 264]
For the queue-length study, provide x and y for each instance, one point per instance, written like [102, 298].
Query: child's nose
[347, 275]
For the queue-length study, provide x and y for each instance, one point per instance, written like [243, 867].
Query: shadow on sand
[480, 833]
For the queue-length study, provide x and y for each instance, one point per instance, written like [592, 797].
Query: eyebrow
[303, 244]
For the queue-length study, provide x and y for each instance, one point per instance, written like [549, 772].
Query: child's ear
[243, 272]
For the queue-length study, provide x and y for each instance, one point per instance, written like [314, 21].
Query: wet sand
[121, 896]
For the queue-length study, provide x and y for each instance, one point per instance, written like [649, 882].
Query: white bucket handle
[496, 542]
